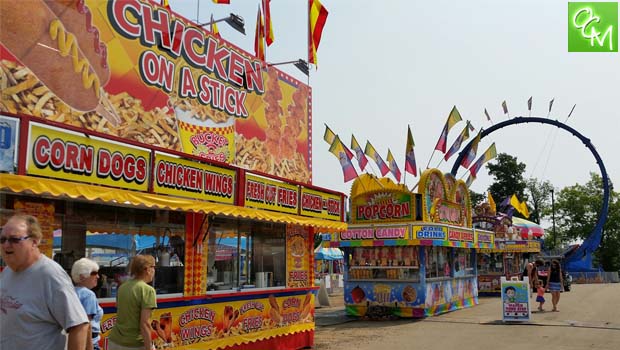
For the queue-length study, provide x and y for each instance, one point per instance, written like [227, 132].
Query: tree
[540, 194]
[476, 198]
[507, 173]
[578, 208]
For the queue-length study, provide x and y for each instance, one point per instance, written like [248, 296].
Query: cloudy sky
[384, 65]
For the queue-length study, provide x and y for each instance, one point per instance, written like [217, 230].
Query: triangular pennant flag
[463, 136]
[453, 118]
[489, 154]
[359, 153]
[339, 150]
[410, 165]
[372, 153]
[471, 153]
[393, 166]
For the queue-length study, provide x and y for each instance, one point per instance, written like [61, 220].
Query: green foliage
[476, 198]
[578, 208]
[508, 179]
[540, 198]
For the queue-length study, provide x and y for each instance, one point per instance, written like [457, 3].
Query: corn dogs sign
[171, 83]
[61, 155]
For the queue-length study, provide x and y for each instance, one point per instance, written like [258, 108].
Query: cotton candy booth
[409, 254]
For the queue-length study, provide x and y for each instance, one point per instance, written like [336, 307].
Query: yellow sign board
[320, 204]
[185, 178]
[263, 193]
[74, 157]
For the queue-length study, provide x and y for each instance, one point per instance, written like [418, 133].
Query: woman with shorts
[555, 283]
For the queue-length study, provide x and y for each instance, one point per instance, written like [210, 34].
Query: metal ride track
[594, 239]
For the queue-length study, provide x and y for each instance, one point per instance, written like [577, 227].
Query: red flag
[259, 38]
[410, 166]
[268, 26]
[221, 1]
[317, 14]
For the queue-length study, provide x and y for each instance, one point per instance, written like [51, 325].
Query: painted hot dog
[77, 19]
[39, 39]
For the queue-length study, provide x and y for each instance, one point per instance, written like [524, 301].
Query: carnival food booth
[516, 243]
[409, 254]
[191, 151]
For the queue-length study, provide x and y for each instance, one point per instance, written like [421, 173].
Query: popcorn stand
[192, 152]
[410, 254]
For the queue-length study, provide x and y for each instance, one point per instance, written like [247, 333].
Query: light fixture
[300, 64]
[235, 21]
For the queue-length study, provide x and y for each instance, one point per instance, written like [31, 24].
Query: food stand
[192, 143]
[409, 254]
[516, 243]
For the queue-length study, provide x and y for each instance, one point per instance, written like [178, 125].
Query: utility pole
[555, 246]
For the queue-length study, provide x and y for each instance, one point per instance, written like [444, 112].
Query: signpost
[516, 300]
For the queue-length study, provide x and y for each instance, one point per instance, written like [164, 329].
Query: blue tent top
[322, 253]
[118, 241]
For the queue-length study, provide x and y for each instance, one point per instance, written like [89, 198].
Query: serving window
[463, 264]
[109, 235]
[245, 254]
[439, 262]
[490, 263]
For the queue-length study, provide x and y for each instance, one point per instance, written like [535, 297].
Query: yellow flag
[491, 203]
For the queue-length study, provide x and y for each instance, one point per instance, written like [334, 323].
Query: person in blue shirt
[85, 274]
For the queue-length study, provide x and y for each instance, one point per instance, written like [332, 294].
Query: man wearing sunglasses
[37, 298]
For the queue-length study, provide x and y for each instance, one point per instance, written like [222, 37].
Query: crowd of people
[42, 309]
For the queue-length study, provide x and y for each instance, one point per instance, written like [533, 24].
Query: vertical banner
[515, 300]
[298, 251]
[44, 212]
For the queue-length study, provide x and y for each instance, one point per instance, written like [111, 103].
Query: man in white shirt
[37, 298]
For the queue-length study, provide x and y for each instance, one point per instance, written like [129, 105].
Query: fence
[595, 277]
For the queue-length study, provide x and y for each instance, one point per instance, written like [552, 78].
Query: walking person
[556, 281]
[37, 297]
[540, 295]
[135, 301]
[85, 274]
[531, 271]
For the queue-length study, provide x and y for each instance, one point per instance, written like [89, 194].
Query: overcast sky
[387, 64]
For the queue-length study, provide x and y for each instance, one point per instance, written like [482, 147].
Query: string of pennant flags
[347, 156]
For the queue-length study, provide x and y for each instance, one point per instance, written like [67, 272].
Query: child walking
[540, 295]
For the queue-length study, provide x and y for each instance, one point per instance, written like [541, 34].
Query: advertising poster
[515, 300]
[384, 206]
[8, 137]
[171, 83]
[214, 326]
[44, 212]
[298, 252]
